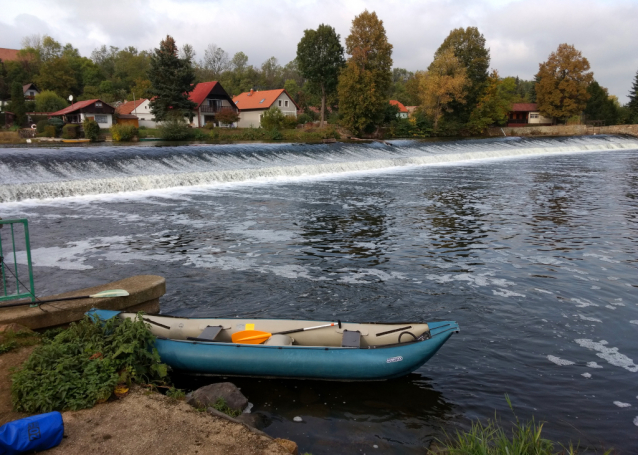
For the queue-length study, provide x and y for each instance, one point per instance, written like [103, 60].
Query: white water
[50, 173]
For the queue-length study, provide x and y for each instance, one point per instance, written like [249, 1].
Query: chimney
[251, 92]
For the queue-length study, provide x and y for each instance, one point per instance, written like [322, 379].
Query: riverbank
[562, 130]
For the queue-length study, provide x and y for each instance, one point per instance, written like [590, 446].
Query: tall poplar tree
[561, 90]
[320, 59]
[366, 81]
[171, 82]
[633, 101]
[18, 106]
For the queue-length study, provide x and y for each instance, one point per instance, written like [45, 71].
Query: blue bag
[35, 433]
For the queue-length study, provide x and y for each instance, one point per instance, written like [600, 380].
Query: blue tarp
[35, 433]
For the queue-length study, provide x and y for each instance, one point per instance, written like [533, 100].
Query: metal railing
[14, 274]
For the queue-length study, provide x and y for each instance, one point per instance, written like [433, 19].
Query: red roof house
[211, 98]
[253, 104]
[96, 109]
[8, 55]
[403, 111]
[527, 114]
[128, 107]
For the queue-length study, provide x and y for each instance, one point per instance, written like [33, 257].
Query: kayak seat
[208, 334]
[351, 339]
[279, 340]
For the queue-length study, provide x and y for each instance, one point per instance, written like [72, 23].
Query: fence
[8, 275]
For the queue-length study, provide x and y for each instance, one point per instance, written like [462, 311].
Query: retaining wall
[563, 130]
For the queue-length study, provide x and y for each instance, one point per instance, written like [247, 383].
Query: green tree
[293, 89]
[49, 101]
[4, 82]
[58, 75]
[468, 45]
[600, 105]
[633, 100]
[171, 78]
[561, 91]
[365, 82]
[493, 105]
[320, 59]
[273, 118]
[444, 82]
[17, 103]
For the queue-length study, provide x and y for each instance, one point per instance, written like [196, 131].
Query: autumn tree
[600, 105]
[561, 90]
[633, 100]
[468, 45]
[320, 59]
[493, 104]
[366, 81]
[444, 82]
[171, 78]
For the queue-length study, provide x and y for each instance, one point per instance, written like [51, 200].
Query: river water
[530, 244]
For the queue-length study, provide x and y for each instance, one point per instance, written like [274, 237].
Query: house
[211, 98]
[9, 55]
[411, 110]
[253, 104]
[97, 110]
[127, 112]
[403, 111]
[30, 91]
[527, 114]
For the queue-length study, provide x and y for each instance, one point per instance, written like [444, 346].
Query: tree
[227, 116]
[468, 45]
[273, 118]
[215, 61]
[239, 62]
[49, 101]
[600, 105]
[633, 100]
[58, 75]
[561, 90]
[366, 81]
[444, 82]
[171, 78]
[4, 82]
[493, 105]
[320, 59]
[17, 103]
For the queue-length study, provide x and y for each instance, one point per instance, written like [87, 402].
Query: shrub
[58, 123]
[70, 131]
[174, 129]
[303, 119]
[273, 118]
[124, 133]
[274, 135]
[82, 365]
[289, 122]
[49, 131]
[214, 135]
[91, 130]
[197, 134]
[209, 126]
[227, 116]
[49, 101]
[40, 125]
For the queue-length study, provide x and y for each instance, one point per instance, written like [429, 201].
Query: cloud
[519, 34]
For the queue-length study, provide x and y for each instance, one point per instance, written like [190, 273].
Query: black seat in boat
[351, 339]
[209, 334]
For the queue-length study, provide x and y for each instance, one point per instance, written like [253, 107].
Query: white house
[98, 110]
[403, 111]
[527, 114]
[253, 104]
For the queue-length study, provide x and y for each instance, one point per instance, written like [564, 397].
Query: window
[98, 104]
[285, 103]
[101, 118]
[262, 100]
[533, 115]
[279, 103]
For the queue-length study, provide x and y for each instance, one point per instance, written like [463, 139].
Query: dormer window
[264, 99]
[98, 104]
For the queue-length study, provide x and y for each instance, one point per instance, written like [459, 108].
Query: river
[531, 245]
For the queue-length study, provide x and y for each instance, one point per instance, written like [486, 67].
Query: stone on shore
[290, 446]
[207, 396]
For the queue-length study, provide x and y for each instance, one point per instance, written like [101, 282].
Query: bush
[274, 135]
[91, 130]
[70, 131]
[58, 123]
[82, 365]
[49, 101]
[227, 116]
[273, 118]
[209, 126]
[124, 133]
[40, 126]
[289, 122]
[197, 134]
[303, 119]
[174, 129]
[49, 131]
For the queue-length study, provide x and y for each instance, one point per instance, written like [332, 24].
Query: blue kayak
[324, 350]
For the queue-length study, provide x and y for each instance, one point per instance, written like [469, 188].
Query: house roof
[259, 99]
[201, 91]
[28, 86]
[128, 107]
[524, 107]
[76, 107]
[8, 55]
[400, 105]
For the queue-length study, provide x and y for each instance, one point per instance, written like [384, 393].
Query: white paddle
[99, 295]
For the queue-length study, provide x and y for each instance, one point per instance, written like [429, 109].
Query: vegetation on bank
[11, 339]
[82, 365]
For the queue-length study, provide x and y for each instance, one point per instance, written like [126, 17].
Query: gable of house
[130, 106]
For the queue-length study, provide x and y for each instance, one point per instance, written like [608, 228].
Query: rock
[207, 396]
[255, 420]
[290, 446]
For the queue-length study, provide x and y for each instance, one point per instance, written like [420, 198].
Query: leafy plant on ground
[177, 394]
[221, 406]
[174, 129]
[10, 340]
[91, 130]
[81, 366]
[124, 133]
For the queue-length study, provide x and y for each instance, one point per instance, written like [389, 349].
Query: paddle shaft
[39, 302]
[265, 335]
[307, 328]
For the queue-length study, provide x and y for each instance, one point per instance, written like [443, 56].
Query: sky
[520, 33]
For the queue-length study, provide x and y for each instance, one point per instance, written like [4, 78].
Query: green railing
[8, 275]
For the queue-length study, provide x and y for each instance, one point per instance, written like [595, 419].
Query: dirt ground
[141, 423]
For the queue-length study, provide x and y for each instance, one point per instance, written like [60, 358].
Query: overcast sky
[519, 33]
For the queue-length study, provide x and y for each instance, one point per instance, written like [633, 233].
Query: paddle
[99, 295]
[258, 337]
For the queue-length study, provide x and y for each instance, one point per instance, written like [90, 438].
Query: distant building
[403, 111]
[411, 110]
[97, 110]
[211, 98]
[127, 112]
[527, 114]
[253, 104]
[9, 55]
[30, 91]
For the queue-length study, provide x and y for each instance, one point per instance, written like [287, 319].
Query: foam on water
[45, 174]
[611, 355]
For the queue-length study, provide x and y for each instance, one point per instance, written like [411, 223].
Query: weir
[57, 173]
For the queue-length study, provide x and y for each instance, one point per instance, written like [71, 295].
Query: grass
[229, 135]
[11, 137]
[10, 340]
[490, 438]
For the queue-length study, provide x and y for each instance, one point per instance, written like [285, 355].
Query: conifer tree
[171, 82]
[633, 101]
[18, 106]
[366, 81]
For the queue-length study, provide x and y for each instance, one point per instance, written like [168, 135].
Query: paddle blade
[250, 337]
[110, 293]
